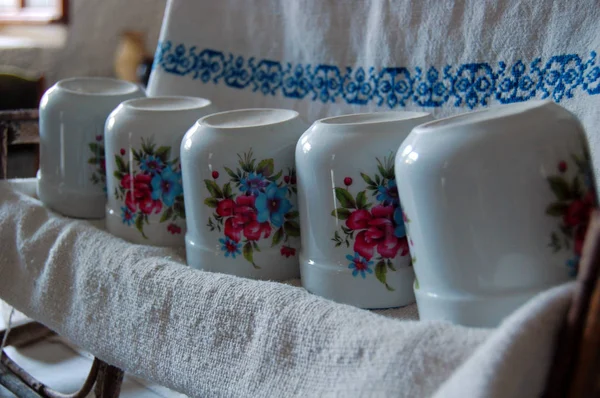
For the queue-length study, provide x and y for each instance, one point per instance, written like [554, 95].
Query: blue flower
[151, 164]
[230, 247]
[127, 216]
[388, 195]
[254, 184]
[272, 205]
[166, 186]
[359, 265]
[573, 265]
[400, 230]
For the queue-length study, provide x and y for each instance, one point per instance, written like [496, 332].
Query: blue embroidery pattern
[470, 85]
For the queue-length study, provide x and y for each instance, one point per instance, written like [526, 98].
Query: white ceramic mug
[240, 193]
[145, 191]
[497, 204]
[71, 179]
[354, 247]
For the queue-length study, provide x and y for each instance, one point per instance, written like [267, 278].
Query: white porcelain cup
[240, 193]
[145, 191]
[354, 247]
[71, 179]
[497, 203]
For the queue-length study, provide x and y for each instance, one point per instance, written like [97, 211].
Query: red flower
[288, 251]
[103, 164]
[99, 137]
[215, 174]
[225, 207]
[347, 181]
[578, 212]
[122, 151]
[562, 166]
[244, 220]
[139, 194]
[174, 229]
[377, 231]
[359, 219]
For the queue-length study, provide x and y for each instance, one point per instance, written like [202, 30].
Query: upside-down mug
[497, 204]
[240, 193]
[354, 245]
[145, 191]
[72, 178]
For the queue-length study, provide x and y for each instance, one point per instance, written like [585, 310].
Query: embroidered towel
[214, 335]
[329, 57]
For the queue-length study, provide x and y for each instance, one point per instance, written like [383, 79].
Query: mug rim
[484, 116]
[127, 88]
[371, 118]
[206, 121]
[195, 103]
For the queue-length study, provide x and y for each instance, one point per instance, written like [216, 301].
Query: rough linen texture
[213, 335]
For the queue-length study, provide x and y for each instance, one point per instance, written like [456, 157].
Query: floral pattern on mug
[155, 189]
[98, 162]
[374, 226]
[261, 207]
[575, 200]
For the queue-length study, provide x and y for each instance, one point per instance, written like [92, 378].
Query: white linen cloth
[330, 57]
[213, 335]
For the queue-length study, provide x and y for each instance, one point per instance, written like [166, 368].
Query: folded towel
[208, 334]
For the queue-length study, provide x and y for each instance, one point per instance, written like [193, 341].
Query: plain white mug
[72, 179]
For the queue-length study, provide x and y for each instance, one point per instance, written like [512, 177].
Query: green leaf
[121, 166]
[96, 148]
[391, 266]
[367, 179]
[136, 155]
[211, 202]
[179, 208]
[291, 215]
[560, 187]
[341, 213]
[118, 175]
[255, 245]
[380, 273]
[230, 172]
[416, 283]
[139, 224]
[277, 237]
[345, 199]
[361, 200]
[227, 190]
[163, 153]
[248, 253]
[266, 167]
[556, 209]
[213, 188]
[93, 161]
[167, 215]
[291, 228]
[276, 176]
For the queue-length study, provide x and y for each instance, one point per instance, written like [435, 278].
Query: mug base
[472, 311]
[69, 202]
[273, 266]
[338, 284]
[157, 234]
